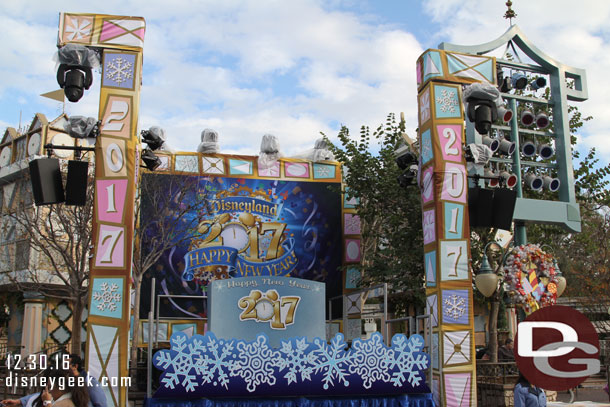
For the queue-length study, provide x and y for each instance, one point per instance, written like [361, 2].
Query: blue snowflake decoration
[206, 366]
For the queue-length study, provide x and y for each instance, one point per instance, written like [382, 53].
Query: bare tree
[167, 215]
[50, 251]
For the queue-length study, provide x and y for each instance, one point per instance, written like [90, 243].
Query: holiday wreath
[530, 278]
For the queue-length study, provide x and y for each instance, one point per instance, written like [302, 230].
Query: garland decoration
[530, 278]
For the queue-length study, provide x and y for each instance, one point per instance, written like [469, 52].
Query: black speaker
[45, 176]
[76, 184]
[503, 208]
[480, 207]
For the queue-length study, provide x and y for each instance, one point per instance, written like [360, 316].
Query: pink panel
[427, 180]
[110, 248]
[139, 33]
[273, 171]
[454, 183]
[297, 170]
[418, 69]
[351, 224]
[457, 389]
[110, 30]
[111, 200]
[352, 250]
[450, 137]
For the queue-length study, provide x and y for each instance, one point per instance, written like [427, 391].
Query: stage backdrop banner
[280, 307]
[250, 227]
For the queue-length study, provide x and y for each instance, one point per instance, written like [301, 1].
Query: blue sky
[293, 68]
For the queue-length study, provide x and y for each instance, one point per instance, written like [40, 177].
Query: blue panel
[240, 167]
[432, 65]
[454, 64]
[352, 277]
[427, 153]
[454, 220]
[107, 297]
[323, 171]
[279, 307]
[118, 70]
[446, 102]
[349, 202]
[455, 307]
[486, 69]
[430, 267]
[205, 366]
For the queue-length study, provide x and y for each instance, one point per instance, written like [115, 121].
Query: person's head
[76, 364]
[509, 343]
[58, 385]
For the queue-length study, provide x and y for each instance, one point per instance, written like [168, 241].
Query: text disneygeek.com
[17, 380]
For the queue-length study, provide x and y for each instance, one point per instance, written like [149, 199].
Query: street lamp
[486, 280]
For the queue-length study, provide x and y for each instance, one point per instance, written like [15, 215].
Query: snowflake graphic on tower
[108, 297]
[455, 306]
[119, 70]
[448, 101]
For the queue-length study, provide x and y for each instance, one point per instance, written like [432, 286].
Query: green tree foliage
[392, 241]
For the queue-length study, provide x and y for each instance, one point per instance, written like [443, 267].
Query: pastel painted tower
[444, 187]
[116, 170]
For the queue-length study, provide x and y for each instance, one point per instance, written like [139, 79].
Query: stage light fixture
[82, 127]
[407, 161]
[509, 180]
[151, 161]
[492, 178]
[542, 121]
[482, 113]
[519, 81]
[505, 114]
[538, 83]
[527, 118]
[545, 151]
[528, 149]
[507, 147]
[492, 143]
[534, 182]
[551, 184]
[74, 74]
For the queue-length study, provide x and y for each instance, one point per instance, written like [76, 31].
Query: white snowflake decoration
[455, 306]
[297, 360]
[426, 148]
[371, 360]
[215, 365]
[119, 70]
[79, 29]
[408, 359]
[448, 101]
[204, 365]
[333, 360]
[108, 297]
[181, 363]
[256, 363]
[323, 171]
